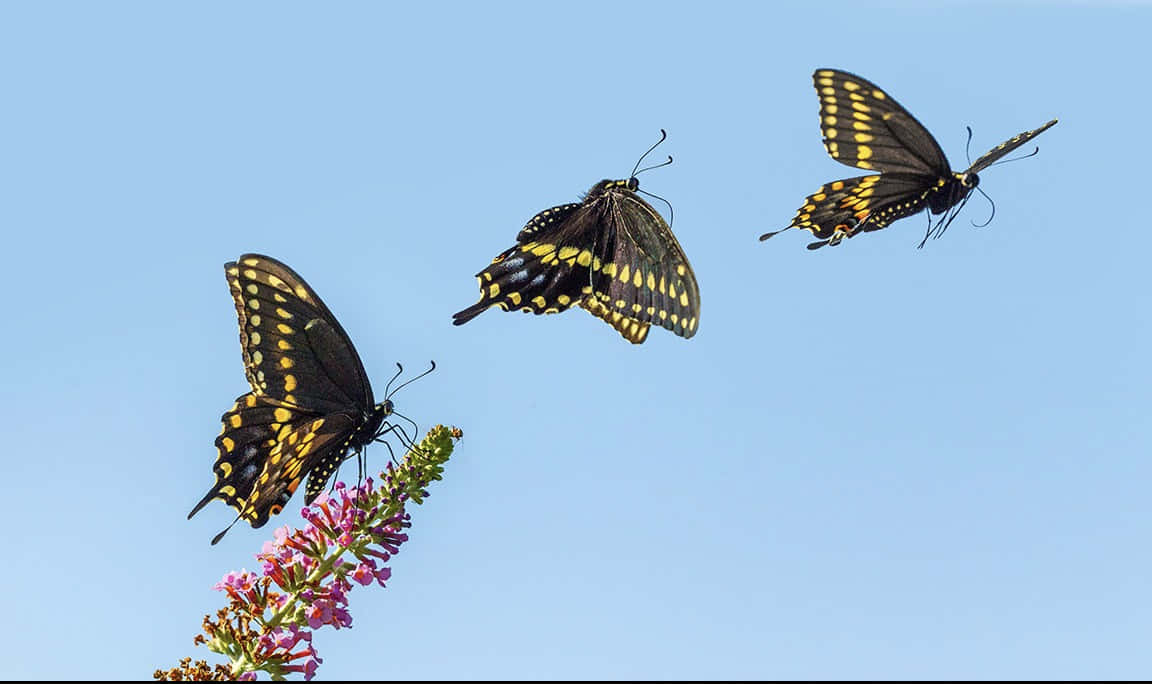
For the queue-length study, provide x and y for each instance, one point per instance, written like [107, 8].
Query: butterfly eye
[969, 180]
[633, 183]
[387, 407]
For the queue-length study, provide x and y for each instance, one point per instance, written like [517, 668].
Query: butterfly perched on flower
[311, 404]
[864, 127]
[611, 254]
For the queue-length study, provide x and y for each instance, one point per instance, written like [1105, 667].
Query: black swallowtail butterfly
[864, 127]
[311, 402]
[611, 254]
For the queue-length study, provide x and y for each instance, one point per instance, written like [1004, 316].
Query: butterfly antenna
[1033, 153]
[399, 370]
[654, 166]
[663, 135]
[402, 385]
[981, 225]
[968, 146]
[671, 213]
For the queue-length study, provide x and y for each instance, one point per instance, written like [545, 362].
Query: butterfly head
[969, 180]
[384, 408]
[608, 185]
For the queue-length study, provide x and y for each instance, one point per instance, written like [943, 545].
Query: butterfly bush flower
[306, 574]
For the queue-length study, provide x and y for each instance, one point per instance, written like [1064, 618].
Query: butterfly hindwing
[845, 207]
[864, 127]
[250, 431]
[299, 448]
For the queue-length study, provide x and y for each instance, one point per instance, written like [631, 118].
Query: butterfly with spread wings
[611, 254]
[311, 402]
[864, 127]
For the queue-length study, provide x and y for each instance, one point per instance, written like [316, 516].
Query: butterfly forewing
[864, 127]
[633, 330]
[648, 278]
[1006, 147]
[282, 321]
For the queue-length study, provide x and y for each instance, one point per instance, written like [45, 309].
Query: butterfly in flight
[611, 254]
[864, 127]
[311, 403]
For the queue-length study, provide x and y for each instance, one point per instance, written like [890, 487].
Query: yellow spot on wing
[563, 299]
[494, 290]
[284, 329]
[514, 297]
[539, 301]
[282, 415]
[235, 420]
[286, 362]
[228, 445]
[289, 383]
[585, 258]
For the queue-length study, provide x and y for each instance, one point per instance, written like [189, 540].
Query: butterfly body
[611, 254]
[310, 406]
[863, 126]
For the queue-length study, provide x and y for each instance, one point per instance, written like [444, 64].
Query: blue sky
[872, 461]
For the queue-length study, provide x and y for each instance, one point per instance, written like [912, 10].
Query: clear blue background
[872, 461]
